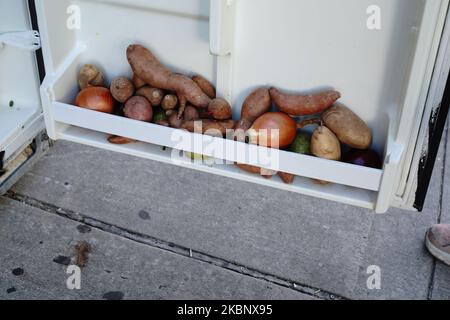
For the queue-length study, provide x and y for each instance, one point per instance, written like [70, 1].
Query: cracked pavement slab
[37, 247]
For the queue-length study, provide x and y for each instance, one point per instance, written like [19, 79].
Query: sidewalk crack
[175, 248]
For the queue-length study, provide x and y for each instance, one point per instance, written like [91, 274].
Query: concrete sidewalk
[162, 232]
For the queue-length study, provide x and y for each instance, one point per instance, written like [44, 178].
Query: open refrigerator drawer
[393, 76]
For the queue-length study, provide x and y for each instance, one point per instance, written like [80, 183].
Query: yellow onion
[96, 98]
[273, 130]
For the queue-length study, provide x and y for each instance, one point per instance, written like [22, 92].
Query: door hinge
[25, 40]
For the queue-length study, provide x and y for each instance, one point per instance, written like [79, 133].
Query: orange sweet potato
[148, 68]
[256, 104]
[256, 170]
[348, 127]
[120, 140]
[205, 85]
[138, 83]
[286, 177]
[220, 109]
[153, 95]
[205, 126]
[303, 105]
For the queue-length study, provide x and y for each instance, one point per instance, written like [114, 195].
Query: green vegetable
[301, 144]
[160, 115]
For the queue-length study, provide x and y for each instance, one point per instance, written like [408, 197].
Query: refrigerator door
[415, 179]
[22, 130]
[389, 59]
[382, 55]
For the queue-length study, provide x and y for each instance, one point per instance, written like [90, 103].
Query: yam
[138, 82]
[286, 177]
[266, 173]
[120, 140]
[154, 95]
[209, 127]
[148, 68]
[349, 128]
[205, 85]
[191, 113]
[303, 105]
[220, 109]
[255, 105]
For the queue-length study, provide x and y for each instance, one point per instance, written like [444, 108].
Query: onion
[365, 158]
[273, 130]
[96, 98]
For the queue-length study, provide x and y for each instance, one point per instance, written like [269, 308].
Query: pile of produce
[155, 94]
[337, 128]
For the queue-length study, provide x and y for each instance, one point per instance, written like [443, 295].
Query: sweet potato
[241, 130]
[266, 173]
[209, 127]
[188, 90]
[303, 105]
[349, 128]
[122, 89]
[138, 82]
[228, 124]
[256, 104]
[120, 140]
[154, 95]
[90, 76]
[204, 114]
[148, 68]
[191, 113]
[183, 102]
[220, 109]
[286, 177]
[205, 85]
[138, 108]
